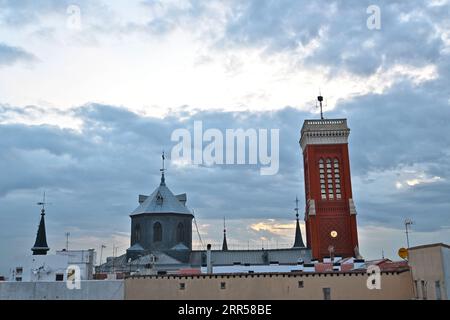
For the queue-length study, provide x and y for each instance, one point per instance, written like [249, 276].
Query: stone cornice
[332, 131]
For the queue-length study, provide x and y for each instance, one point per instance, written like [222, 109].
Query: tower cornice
[326, 131]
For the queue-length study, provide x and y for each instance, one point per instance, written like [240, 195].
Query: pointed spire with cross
[40, 245]
[224, 244]
[298, 242]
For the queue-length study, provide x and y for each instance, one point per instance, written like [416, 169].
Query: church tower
[330, 211]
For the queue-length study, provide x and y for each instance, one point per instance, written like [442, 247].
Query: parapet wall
[89, 290]
[286, 286]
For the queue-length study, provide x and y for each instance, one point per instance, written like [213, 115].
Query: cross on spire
[163, 179]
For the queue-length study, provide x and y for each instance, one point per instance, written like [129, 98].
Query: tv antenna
[408, 224]
[67, 241]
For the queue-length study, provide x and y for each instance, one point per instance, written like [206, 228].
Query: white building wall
[39, 268]
[89, 290]
[46, 267]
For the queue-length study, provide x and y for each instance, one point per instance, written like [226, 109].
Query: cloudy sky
[91, 91]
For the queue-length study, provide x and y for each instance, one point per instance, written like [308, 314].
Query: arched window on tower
[157, 232]
[137, 233]
[330, 180]
[337, 178]
[180, 233]
[323, 191]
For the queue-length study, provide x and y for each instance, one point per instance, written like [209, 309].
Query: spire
[298, 243]
[163, 179]
[224, 244]
[40, 246]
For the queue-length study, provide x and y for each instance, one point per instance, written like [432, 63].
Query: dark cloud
[10, 55]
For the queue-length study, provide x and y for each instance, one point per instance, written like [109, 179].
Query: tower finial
[42, 203]
[163, 179]
[320, 99]
[296, 207]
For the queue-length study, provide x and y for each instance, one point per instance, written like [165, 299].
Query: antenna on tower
[320, 99]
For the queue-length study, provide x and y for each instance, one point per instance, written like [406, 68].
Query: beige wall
[269, 286]
[427, 264]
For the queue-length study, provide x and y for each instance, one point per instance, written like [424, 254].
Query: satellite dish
[403, 253]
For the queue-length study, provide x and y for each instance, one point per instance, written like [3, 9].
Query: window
[19, 270]
[326, 294]
[300, 284]
[223, 285]
[159, 199]
[321, 163]
[330, 186]
[438, 290]
[18, 279]
[137, 233]
[424, 290]
[157, 232]
[180, 233]
[416, 287]
[182, 286]
[59, 277]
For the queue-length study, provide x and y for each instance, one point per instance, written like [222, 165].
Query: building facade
[430, 266]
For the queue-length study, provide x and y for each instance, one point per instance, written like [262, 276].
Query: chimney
[209, 268]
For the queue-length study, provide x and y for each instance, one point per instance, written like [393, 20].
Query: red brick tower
[330, 212]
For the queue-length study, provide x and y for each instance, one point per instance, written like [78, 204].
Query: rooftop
[162, 200]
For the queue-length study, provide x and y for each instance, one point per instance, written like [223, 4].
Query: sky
[91, 92]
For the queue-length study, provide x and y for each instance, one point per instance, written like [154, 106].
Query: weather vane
[296, 206]
[42, 203]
